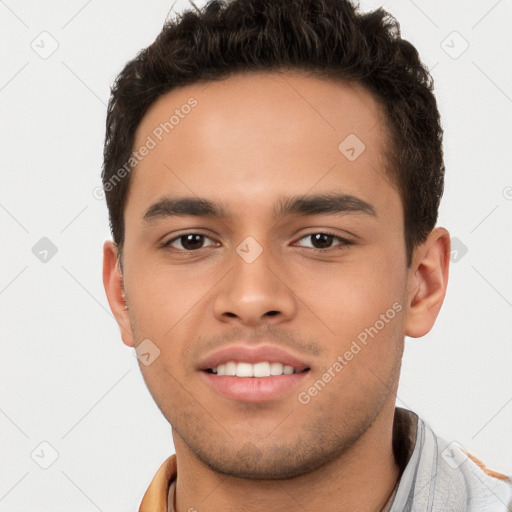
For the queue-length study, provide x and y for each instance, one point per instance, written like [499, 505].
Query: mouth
[257, 370]
[253, 374]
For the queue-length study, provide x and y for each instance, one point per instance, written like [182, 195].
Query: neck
[361, 480]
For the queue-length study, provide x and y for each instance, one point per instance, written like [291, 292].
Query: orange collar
[155, 499]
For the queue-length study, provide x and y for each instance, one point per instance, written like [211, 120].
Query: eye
[189, 242]
[323, 241]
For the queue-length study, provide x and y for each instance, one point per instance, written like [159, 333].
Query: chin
[276, 463]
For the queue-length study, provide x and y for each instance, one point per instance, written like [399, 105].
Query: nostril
[272, 313]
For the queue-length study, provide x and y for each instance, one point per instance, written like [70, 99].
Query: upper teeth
[263, 369]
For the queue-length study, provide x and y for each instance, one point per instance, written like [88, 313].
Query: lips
[253, 355]
[253, 374]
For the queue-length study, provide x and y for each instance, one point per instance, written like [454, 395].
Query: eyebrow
[182, 206]
[323, 204]
[329, 204]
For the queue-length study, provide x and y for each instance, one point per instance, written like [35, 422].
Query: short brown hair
[326, 38]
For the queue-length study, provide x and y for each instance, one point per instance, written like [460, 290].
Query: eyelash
[343, 242]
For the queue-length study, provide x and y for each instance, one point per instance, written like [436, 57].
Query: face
[264, 235]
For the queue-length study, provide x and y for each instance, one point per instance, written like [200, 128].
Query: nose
[254, 293]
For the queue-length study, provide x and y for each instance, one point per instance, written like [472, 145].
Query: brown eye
[323, 241]
[189, 242]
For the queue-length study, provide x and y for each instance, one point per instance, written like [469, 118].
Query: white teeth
[231, 368]
[261, 369]
[244, 370]
[276, 369]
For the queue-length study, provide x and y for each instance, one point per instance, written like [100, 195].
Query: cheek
[169, 307]
[168, 387]
[349, 296]
[161, 298]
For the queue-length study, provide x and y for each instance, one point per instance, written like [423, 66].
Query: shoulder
[442, 475]
[487, 471]
[465, 480]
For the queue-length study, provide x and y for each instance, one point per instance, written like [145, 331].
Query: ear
[114, 288]
[428, 279]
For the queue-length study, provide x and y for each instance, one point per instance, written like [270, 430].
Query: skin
[252, 140]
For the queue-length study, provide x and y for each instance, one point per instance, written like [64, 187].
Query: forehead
[255, 134]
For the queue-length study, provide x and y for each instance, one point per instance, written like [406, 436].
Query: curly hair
[328, 39]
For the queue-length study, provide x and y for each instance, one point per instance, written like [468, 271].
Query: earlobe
[428, 279]
[114, 288]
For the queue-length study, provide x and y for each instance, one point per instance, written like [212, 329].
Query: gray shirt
[442, 477]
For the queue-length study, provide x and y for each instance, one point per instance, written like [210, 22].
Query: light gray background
[66, 377]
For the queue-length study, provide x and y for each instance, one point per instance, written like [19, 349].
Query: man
[273, 172]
